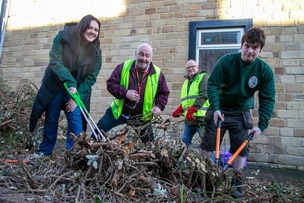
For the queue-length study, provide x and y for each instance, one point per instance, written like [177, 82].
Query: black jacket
[63, 57]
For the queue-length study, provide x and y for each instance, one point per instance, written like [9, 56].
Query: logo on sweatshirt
[253, 81]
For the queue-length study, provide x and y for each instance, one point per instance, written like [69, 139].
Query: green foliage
[181, 194]
[278, 188]
[97, 200]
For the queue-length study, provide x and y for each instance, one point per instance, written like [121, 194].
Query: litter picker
[85, 113]
[238, 151]
[217, 142]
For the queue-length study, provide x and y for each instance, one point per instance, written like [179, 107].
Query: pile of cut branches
[122, 169]
[15, 108]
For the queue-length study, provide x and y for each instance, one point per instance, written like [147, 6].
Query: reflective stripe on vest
[188, 98]
[149, 94]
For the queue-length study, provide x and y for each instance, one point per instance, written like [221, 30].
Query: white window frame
[196, 27]
[199, 47]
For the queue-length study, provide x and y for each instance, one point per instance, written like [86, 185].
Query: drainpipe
[4, 22]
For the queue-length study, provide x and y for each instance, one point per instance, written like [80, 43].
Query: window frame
[196, 26]
[218, 30]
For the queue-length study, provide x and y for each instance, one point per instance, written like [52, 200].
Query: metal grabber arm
[85, 113]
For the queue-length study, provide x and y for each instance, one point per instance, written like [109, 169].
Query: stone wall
[164, 24]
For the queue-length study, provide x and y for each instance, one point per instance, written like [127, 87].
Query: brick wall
[164, 24]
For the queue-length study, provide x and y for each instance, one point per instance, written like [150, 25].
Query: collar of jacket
[149, 70]
[188, 77]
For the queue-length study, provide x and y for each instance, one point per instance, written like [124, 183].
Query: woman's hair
[82, 26]
[254, 35]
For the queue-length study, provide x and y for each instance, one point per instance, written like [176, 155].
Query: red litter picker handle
[238, 151]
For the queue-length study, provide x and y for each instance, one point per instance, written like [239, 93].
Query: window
[209, 40]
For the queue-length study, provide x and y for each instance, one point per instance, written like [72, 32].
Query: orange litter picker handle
[217, 141]
[129, 147]
[238, 151]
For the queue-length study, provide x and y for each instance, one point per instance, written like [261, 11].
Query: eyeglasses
[188, 67]
[131, 107]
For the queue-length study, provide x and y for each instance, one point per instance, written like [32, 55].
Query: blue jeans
[52, 115]
[189, 132]
[108, 121]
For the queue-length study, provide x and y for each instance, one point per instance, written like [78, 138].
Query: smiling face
[191, 68]
[143, 56]
[91, 33]
[250, 52]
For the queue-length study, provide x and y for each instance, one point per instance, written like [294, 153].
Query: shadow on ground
[276, 175]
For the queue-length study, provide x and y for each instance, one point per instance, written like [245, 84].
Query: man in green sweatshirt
[231, 87]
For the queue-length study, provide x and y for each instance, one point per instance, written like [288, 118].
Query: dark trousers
[108, 121]
[237, 123]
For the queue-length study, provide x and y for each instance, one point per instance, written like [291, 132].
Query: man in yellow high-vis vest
[140, 92]
[194, 101]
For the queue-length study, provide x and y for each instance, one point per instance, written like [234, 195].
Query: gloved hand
[178, 111]
[191, 110]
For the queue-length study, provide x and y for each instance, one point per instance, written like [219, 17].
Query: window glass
[208, 57]
[214, 43]
[220, 37]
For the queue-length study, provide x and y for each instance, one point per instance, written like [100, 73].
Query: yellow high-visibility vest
[188, 98]
[149, 94]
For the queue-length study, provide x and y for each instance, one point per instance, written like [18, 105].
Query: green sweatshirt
[233, 83]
